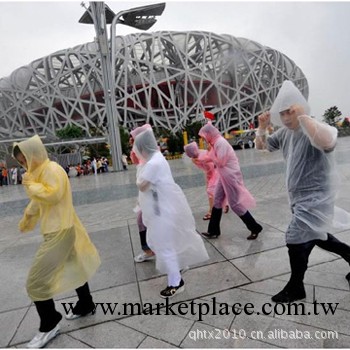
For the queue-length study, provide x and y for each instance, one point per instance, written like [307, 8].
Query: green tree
[70, 132]
[175, 143]
[193, 129]
[331, 115]
[124, 140]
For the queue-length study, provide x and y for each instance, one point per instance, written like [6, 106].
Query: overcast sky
[315, 35]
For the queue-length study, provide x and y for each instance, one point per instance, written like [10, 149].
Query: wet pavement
[239, 271]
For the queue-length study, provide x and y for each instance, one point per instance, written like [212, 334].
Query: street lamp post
[99, 14]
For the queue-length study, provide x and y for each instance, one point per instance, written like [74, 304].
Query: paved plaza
[239, 271]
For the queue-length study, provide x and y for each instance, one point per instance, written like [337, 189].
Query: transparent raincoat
[67, 258]
[204, 162]
[310, 168]
[231, 184]
[171, 232]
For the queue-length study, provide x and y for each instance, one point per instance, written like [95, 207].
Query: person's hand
[27, 223]
[27, 179]
[134, 158]
[264, 120]
[195, 160]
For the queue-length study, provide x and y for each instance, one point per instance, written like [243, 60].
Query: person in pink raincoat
[201, 159]
[230, 184]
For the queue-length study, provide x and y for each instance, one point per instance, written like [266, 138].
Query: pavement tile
[274, 262]
[237, 271]
[198, 282]
[109, 335]
[152, 343]
[169, 328]
[9, 322]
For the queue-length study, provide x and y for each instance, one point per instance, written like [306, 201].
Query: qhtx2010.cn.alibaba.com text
[274, 334]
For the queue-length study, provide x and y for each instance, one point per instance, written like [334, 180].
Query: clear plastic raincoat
[310, 173]
[171, 232]
[67, 258]
[231, 184]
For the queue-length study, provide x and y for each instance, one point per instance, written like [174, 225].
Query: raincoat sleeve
[321, 135]
[273, 142]
[30, 218]
[144, 177]
[221, 153]
[51, 188]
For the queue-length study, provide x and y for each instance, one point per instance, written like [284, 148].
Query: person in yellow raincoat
[67, 258]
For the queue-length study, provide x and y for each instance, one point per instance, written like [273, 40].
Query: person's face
[131, 140]
[21, 160]
[289, 118]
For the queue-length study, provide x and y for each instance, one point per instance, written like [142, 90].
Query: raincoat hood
[209, 132]
[192, 150]
[34, 152]
[145, 145]
[287, 96]
[139, 130]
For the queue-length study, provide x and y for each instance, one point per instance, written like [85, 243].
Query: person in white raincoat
[66, 259]
[230, 184]
[307, 146]
[171, 232]
[147, 254]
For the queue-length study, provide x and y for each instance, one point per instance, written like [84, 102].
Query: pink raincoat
[230, 182]
[204, 162]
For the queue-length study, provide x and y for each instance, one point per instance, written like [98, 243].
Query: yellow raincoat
[67, 258]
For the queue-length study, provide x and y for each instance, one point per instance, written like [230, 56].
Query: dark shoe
[254, 234]
[170, 291]
[80, 310]
[209, 235]
[207, 216]
[252, 225]
[286, 296]
[347, 277]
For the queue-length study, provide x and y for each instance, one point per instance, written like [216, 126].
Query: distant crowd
[11, 176]
[91, 166]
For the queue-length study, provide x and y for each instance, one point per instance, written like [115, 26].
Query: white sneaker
[144, 257]
[42, 338]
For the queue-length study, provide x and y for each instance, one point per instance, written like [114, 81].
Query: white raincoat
[171, 232]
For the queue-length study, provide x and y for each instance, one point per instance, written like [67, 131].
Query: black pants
[299, 257]
[49, 316]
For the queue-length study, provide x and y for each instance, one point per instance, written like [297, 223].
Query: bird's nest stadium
[163, 78]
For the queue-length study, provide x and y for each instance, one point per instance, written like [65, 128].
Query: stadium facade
[163, 78]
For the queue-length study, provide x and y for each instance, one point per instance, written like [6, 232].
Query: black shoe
[347, 277]
[209, 235]
[286, 296]
[170, 291]
[255, 233]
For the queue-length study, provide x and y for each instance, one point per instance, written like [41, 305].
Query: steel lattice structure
[163, 78]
